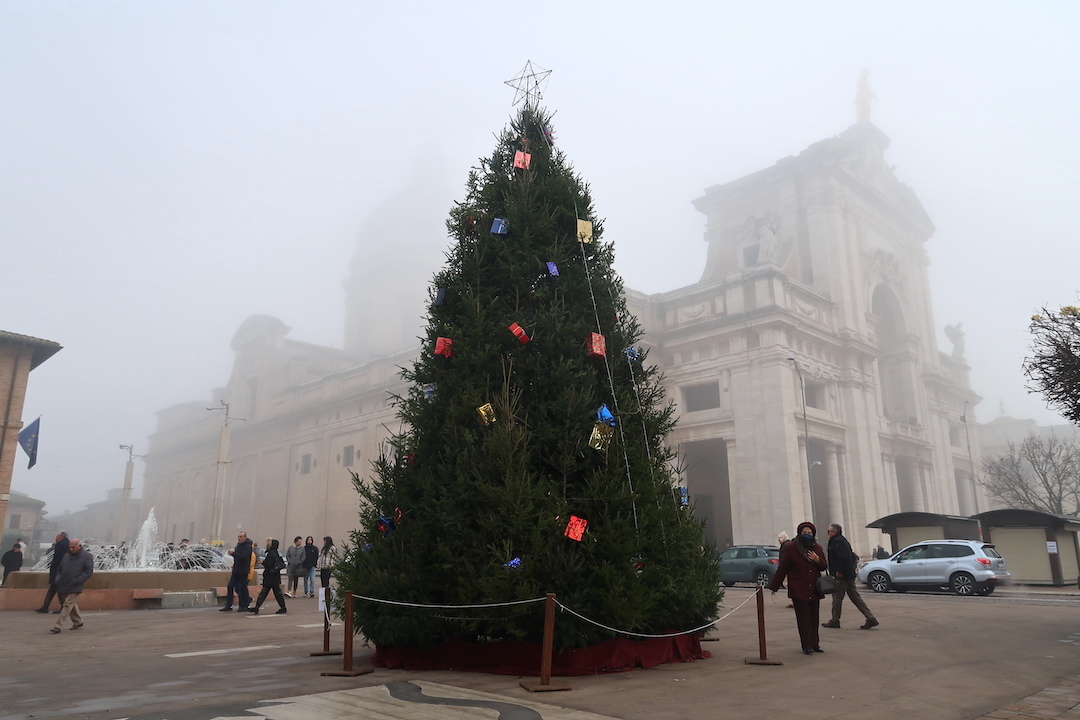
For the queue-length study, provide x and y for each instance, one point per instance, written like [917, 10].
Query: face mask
[807, 537]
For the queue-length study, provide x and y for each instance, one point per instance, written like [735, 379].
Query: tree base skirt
[523, 658]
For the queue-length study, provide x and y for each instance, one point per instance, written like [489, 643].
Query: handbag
[826, 585]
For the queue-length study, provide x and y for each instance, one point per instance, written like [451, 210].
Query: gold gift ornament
[486, 413]
[584, 231]
[601, 436]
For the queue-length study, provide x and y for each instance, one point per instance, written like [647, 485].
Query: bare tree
[1041, 473]
[1053, 369]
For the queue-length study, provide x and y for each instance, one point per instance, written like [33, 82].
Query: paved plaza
[1014, 654]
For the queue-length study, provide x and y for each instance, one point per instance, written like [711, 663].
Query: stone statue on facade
[864, 97]
[955, 334]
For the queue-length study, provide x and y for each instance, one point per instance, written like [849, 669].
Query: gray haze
[169, 169]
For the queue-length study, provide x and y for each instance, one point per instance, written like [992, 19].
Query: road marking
[224, 651]
[317, 625]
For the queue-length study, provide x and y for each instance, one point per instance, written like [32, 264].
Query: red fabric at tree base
[522, 658]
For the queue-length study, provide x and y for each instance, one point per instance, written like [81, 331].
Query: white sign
[1051, 547]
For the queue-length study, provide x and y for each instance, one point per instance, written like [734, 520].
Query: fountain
[148, 574]
[147, 554]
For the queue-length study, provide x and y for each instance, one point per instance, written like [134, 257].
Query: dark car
[749, 563]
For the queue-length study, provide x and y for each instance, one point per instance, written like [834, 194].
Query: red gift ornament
[522, 160]
[444, 347]
[519, 333]
[596, 346]
[575, 529]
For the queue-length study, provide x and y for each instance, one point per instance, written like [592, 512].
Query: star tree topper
[527, 84]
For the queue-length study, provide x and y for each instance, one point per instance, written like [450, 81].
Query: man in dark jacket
[12, 561]
[842, 568]
[60, 551]
[75, 569]
[238, 580]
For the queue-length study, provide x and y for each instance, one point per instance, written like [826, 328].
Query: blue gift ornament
[684, 496]
[440, 296]
[368, 547]
[604, 415]
[386, 525]
[429, 391]
[553, 269]
[500, 226]
[632, 354]
[514, 564]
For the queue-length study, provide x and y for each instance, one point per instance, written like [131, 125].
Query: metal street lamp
[806, 439]
[129, 472]
[971, 460]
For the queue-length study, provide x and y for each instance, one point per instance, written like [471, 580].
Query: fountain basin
[124, 589]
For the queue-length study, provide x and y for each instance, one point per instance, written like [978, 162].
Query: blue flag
[28, 439]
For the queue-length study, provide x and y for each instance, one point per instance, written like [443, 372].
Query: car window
[729, 554]
[747, 553]
[990, 551]
[761, 553]
[914, 553]
[772, 552]
[937, 551]
[963, 550]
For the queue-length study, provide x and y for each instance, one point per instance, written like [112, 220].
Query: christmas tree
[530, 415]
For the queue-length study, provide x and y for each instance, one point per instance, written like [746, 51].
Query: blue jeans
[309, 581]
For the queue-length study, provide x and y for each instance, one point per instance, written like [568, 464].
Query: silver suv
[967, 567]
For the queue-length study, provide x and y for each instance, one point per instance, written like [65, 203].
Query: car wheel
[729, 583]
[878, 581]
[963, 584]
[985, 590]
[763, 578]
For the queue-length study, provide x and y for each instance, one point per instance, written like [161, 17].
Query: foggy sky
[169, 169]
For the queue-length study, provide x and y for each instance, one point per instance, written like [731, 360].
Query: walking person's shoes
[835, 624]
[253, 611]
[55, 612]
[282, 611]
[288, 594]
[227, 608]
[870, 623]
[42, 610]
[54, 630]
[76, 626]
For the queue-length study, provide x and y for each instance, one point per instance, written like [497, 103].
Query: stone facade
[816, 274]
[19, 354]
[815, 288]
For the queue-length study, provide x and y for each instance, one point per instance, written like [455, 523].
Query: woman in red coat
[801, 561]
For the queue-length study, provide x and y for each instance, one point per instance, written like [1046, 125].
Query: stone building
[815, 289]
[19, 354]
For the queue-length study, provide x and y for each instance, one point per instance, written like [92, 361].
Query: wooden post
[348, 670]
[762, 659]
[326, 627]
[545, 658]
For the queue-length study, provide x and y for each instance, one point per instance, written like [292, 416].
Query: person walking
[311, 560]
[238, 579]
[842, 568]
[12, 561]
[294, 565]
[326, 560]
[60, 550]
[273, 564]
[881, 553]
[75, 569]
[801, 562]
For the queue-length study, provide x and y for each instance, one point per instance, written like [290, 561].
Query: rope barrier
[629, 633]
[447, 607]
[646, 635]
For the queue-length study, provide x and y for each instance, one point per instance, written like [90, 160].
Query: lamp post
[806, 439]
[971, 460]
[219, 487]
[129, 472]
